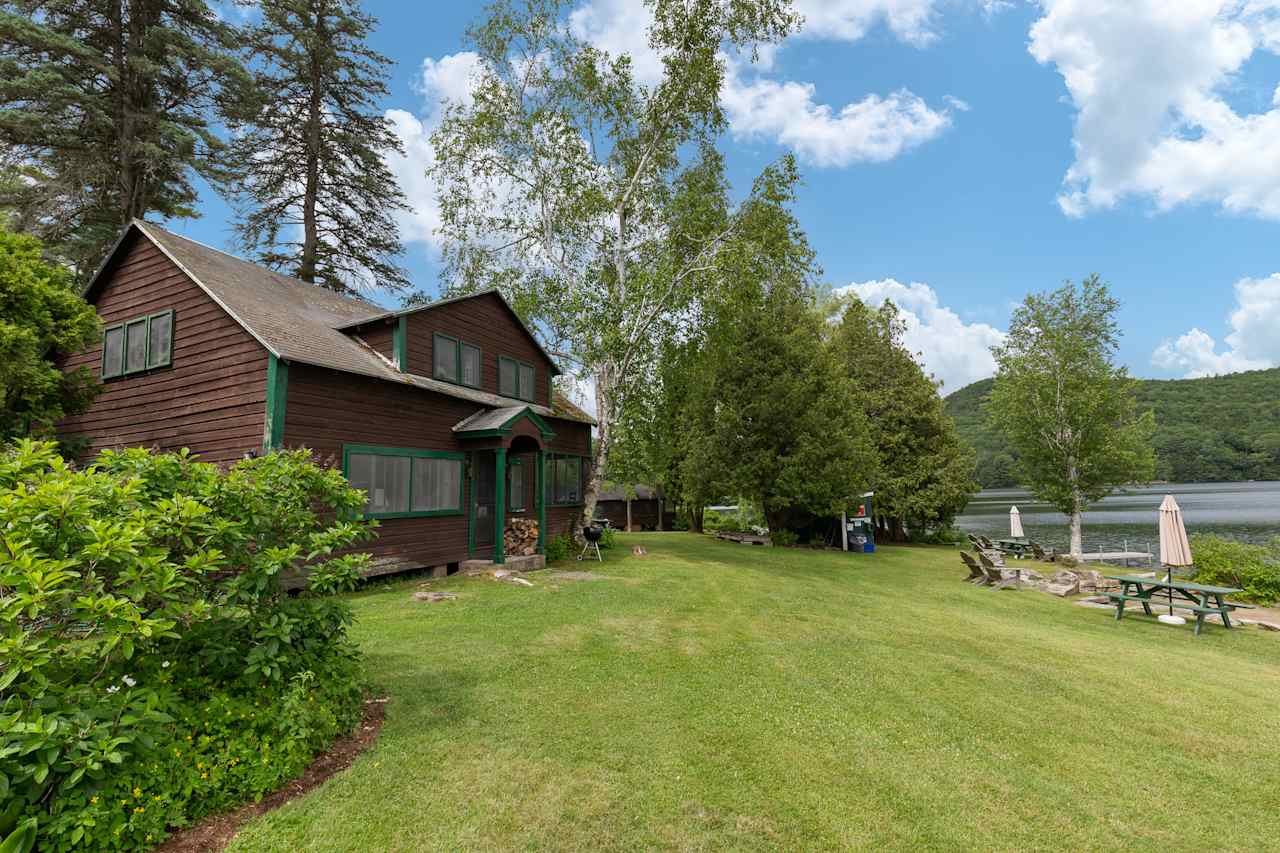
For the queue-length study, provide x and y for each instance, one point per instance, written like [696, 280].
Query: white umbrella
[1175, 550]
[1015, 524]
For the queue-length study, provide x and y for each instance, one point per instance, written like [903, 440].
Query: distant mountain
[1220, 428]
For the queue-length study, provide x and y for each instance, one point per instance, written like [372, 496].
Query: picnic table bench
[1016, 547]
[1198, 598]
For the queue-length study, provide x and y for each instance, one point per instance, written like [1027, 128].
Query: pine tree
[925, 476]
[112, 107]
[318, 199]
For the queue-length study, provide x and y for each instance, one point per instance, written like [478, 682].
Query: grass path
[715, 696]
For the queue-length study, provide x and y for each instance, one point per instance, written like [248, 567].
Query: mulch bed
[215, 833]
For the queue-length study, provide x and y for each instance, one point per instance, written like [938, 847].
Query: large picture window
[515, 379]
[401, 482]
[137, 345]
[564, 479]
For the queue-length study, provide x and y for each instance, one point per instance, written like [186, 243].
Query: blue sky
[960, 153]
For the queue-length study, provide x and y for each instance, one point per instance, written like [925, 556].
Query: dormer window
[515, 379]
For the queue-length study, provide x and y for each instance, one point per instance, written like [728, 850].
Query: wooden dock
[1116, 557]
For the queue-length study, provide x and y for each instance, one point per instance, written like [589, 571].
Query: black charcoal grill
[592, 534]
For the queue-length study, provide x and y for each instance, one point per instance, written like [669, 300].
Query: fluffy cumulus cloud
[873, 129]
[1252, 344]
[951, 349]
[439, 81]
[1150, 81]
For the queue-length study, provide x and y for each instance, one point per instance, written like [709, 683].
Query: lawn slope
[716, 696]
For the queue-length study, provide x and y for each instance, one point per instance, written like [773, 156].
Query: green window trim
[400, 344]
[411, 453]
[549, 488]
[533, 378]
[439, 339]
[149, 360]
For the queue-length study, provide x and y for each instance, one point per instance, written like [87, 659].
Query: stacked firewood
[521, 538]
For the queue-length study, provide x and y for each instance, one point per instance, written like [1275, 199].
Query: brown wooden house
[444, 414]
[639, 504]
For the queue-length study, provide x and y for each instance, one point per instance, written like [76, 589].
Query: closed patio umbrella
[1175, 550]
[1015, 524]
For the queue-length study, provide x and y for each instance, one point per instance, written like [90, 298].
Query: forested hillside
[1212, 429]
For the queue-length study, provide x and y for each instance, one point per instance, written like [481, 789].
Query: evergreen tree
[40, 314]
[111, 108]
[319, 200]
[925, 475]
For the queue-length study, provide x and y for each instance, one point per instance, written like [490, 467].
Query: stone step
[528, 563]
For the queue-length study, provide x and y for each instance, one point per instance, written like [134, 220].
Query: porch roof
[488, 423]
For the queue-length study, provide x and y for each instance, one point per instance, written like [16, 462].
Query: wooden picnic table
[1185, 595]
[1016, 547]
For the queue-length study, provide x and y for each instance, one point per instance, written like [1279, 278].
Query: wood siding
[211, 399]
[380, 336]
[326, 409]
[484, 322]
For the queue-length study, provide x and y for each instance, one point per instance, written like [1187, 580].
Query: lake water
[1245, 511]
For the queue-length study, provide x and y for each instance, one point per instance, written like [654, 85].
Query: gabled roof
[500, 422]
[298, 321]
[492, 291]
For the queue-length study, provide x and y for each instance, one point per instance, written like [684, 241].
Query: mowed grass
[712, 696]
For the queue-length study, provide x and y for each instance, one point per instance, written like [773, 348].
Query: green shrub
[558, 548]
[1225, 562]
[152, 667]
[783, 538]
[608, 537]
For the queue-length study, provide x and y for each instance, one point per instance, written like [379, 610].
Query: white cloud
[1252, 344]
[951, 349]
[850, 20]
[1147, 78]
[873, 129]
[444, 80]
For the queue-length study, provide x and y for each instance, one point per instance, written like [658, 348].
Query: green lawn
[717, 696]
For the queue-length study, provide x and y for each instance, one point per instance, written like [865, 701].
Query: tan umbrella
[1015, 524]
[1175, 550]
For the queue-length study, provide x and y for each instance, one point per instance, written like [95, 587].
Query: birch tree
[1065, 406]
[592, 198]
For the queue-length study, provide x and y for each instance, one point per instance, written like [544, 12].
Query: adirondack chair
[994, 578]
[987, 544]
[976, 575]
[1039, 553]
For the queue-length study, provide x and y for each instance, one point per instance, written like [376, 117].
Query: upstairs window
[137, 345]
[470, 366]
[445, 354]
[515, 379]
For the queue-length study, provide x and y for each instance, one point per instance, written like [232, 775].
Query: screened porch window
[516, 490]
[564, 479]
[403, 483]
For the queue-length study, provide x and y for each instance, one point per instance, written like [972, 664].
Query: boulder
[1062, 589]
[434, 596]
[1266, 626]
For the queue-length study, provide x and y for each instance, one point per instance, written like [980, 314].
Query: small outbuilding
[637, 507]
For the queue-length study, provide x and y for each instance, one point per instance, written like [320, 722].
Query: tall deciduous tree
[41, 314]
[925, 474]
[318, 199]
[1065, 406]
[112, 106]
[593, 199]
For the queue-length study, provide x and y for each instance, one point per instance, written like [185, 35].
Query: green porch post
[500, 506]
[540, 495]
[277, 389]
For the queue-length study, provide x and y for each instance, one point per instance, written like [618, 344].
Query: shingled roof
[298, 321]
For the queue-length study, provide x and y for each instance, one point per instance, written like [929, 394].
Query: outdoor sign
[859, 531]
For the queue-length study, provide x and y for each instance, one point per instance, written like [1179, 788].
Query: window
[564, 479]
[113, 352]
[437, 484]
[403, 483]
[526, 382]
[515, 379]
[137, 345]
[515, 487]
[445, 354]
[471, 365]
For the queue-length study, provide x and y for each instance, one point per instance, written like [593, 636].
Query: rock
[434, 596]
[500, 573]
[521, 581]
[1062, 590]
[1266, 626]
[1098, 599]
[638, 551]
[1032, 576]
